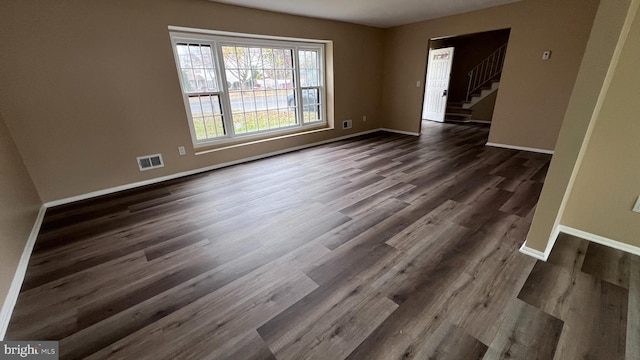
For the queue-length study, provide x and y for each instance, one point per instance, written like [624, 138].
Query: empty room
[321, 179]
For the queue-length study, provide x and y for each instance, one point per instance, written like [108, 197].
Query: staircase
[462, 111]
[484, 80]
[482, 93]
[456, 112]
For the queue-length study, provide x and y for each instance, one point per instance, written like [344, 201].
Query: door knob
[444, 93]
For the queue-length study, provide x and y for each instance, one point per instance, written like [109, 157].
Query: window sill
[263, 140]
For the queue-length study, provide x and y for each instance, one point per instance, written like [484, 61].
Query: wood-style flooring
[384, 246]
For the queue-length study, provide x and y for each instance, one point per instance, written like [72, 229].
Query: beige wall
[89, 85]
[593, 73]
[533, 93]
[608, 180]
[19, 204]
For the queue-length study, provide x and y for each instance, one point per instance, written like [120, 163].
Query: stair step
[458, 110]
[458, 117]
[476, 97]
[490, 86]
[469, 121]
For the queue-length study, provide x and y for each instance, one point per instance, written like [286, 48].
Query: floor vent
[150, 162]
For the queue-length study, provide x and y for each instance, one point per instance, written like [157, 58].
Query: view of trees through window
[261, 85]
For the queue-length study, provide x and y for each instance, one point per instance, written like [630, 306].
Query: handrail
[486, 70]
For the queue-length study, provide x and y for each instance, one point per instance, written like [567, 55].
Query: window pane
[235, 99]
[267, 58]
[206, 114]
[261, 87]
[239, 124]
[310, 105]
[261, 99]
[183, 56]
[309, 67]
[240, 63]
[197, 68]
[288, 59]
[198, 125]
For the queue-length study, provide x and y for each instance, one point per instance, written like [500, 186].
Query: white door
[437, 84]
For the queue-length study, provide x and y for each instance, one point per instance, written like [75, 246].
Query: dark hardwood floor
[379, 247]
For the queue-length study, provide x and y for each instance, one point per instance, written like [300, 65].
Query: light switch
[546, 55]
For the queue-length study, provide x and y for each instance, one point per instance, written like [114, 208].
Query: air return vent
[150, 162]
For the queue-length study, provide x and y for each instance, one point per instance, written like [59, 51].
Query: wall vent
[346, 124]
[150, 162]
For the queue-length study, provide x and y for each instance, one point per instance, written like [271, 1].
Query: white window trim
[183, 29]
[217, 39]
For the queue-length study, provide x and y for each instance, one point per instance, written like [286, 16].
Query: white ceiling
[380, 13]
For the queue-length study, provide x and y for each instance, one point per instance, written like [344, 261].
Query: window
[243, 87]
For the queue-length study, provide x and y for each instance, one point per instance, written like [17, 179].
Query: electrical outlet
[546, 55]
[182, 150]
[346, 124]
[364, 118]
[636, 207]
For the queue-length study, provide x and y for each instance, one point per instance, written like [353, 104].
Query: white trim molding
[600, 240]
[197, 171]
[523, 148]
[581, 234]
[533, 252]
[540, 255]
[400, 132]
[18, 278]
[245, 35]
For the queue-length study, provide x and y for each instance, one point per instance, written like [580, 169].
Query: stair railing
[486, 70]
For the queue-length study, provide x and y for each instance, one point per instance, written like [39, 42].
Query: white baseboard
[401, 132]
[197, 171]
[600, 240]
[547, 251]
[581, 234]
[18, 278]
[523, 148]
[532, 252]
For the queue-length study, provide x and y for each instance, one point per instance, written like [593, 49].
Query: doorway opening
[463, 77]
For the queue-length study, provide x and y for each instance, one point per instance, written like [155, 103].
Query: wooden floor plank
[449, 342]
[251, 348]
[607, 264]
[583, 302]
[526, 333]
[481, 308]
[361, 223]
[338, 331]
[568, 252]
[224, 315]
[415, 320]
